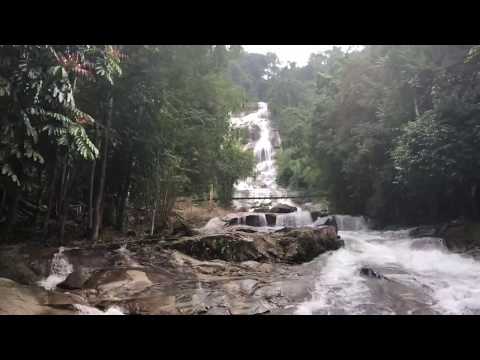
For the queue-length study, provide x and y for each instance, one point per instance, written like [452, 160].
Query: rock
[182, 228]
[304, 244]
[253, 220]
[244, 219]
[76, 279]
[271, 219]
[66, 299]
[423, 231]
[254, 132]
[366, 271]
[257, 266]
[244, 286]
[118, 284]
[282, 209]
[26, 264]
[261, 210]
[315, 215]
[291, 246]
[17, 299]
[131, 233]
[243, 228]
[229, 247]
[332, 221]
[460, 236]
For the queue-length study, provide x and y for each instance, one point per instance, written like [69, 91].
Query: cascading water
[295, 219]
[422, 276]
[60, 268]
[348, 222]
[263, 184]
[59, 271]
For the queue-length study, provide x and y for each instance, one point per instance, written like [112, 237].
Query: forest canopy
[389, 131]
[95, 129]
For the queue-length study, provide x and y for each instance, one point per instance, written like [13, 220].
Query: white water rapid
[60, 268]
[422, 277]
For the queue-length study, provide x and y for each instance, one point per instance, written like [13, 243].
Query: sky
[297, 53]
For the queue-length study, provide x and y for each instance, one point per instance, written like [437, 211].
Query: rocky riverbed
[237, 271]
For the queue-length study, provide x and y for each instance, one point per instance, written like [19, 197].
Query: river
[415, 275]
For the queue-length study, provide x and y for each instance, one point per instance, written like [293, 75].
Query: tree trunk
[92, 188]
[12, 215]
[51, 197]
[97, 216]
[473, 201]
[64, 215]
[41, 190]
[154, 212]
[123, 201]
[4, 200]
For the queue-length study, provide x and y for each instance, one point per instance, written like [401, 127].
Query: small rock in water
[365, 271]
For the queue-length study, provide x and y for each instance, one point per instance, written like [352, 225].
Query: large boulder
[290, 245]
[119, 283]
[26, 264]
[228, 246]
[460, 236]
[304, 244]
[283, 209]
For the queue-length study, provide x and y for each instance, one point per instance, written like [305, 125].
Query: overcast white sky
[298, 53]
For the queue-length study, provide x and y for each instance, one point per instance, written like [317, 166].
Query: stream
[417, 275]
[376, 272]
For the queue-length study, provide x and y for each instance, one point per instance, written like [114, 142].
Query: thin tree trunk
[473, 201]
[51, 197]
[41, 190]
[120, 223]
[154, 212]
[64, 215]
[97, 218]
[92, 187]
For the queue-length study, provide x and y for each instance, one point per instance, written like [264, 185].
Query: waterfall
[263, 184]
[59, 271]
[294, 219]
[351, 223]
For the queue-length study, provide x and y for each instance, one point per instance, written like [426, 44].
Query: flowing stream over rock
[59, 271]
[419, 276]
[376, 272]
[412, 275]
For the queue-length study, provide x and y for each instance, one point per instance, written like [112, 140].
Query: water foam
[60, 268]
[451, 280]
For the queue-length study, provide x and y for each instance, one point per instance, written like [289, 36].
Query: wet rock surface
[283, 209]
[289, 245]
[235, 272]
[19, 299]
